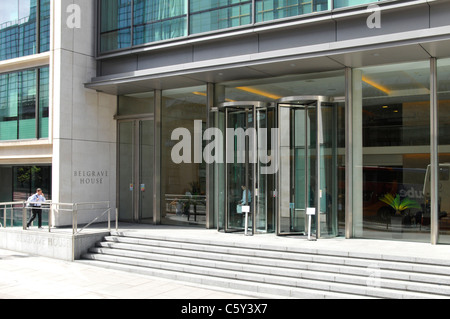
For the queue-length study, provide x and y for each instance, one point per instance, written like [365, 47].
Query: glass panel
[240, 167]
[126, 170]
[159, 20]
[8, 106]
[349, 3]
[330, 197]
[267, 172]
[218, 14]
[135, 104]
[183, 173]
[267, 10]
[27, 104]
[443, 72]
[43, 102]
[297, 166]
[218, 180]
[27, 27]
[115, 25]
[146, 170]
[44, 25]
[392, 108]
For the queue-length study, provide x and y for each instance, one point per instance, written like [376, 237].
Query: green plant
[398, 204]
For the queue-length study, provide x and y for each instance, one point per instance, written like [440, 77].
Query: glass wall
[158, 20]
[22, 116]
[207, 15]
[183, 170]
[20, 182]
[391, 105]
[128, 23]
[349, 3]
[332, 140]
[443, 95]
[24, 27]
[115, 25]
[267, 10]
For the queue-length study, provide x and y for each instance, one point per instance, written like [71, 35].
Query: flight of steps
[270, 271]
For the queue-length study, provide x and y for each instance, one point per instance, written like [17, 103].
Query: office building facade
[193, 112]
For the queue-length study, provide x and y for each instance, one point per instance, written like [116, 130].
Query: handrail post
[4, 216]
[50, 210]
[117, 219]
[74, 219]
[24, 216]
[109, 218]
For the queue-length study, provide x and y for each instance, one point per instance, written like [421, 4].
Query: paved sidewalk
[25, 276]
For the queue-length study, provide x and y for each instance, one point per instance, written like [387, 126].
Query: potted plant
[399, 205]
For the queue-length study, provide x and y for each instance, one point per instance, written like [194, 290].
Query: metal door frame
[297, 101]
[136, 164]
[236, 106]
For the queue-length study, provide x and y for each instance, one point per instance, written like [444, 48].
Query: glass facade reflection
[183, 185]
[128, 23]
[24, 28]
[22, 114]
[443, 98]
[393, 106]
[267, 10]
[390, 165]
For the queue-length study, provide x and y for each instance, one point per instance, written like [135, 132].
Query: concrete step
[250, 267]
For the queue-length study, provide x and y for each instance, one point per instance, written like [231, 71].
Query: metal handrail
[74, 208]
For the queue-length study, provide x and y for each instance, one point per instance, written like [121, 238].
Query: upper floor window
[24, 27]
[24, 104]
[127, 23]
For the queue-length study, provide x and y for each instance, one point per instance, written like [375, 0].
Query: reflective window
[267, 10]
[20, 25]
[159, 20]
[443, 89]
[392, 108]
[127, 23]
[115, 25]
[18, 93]
[207, 15]
[349, 3]
[183, 184]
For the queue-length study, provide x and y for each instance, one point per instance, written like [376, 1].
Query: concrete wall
[84, 130]
[62, 246]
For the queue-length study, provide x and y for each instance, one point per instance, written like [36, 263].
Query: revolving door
[280, 161]
[247, 130]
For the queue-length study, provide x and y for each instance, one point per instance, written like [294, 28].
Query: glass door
[297, 161]
[244, 188]
[307, 156]
[135, 162]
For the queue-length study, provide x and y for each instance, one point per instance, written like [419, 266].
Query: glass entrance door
[307, 176]
[244, 185]
[135, 162]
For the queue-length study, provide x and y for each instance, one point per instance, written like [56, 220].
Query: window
[267, 10]
[159, 20]
[128, 23]
[392, 109]
[207, 15]
[24, 28]
[22, 116]
[115, 24]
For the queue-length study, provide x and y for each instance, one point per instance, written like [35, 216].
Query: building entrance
[246, 187]
[280, 160]
[135, 161]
